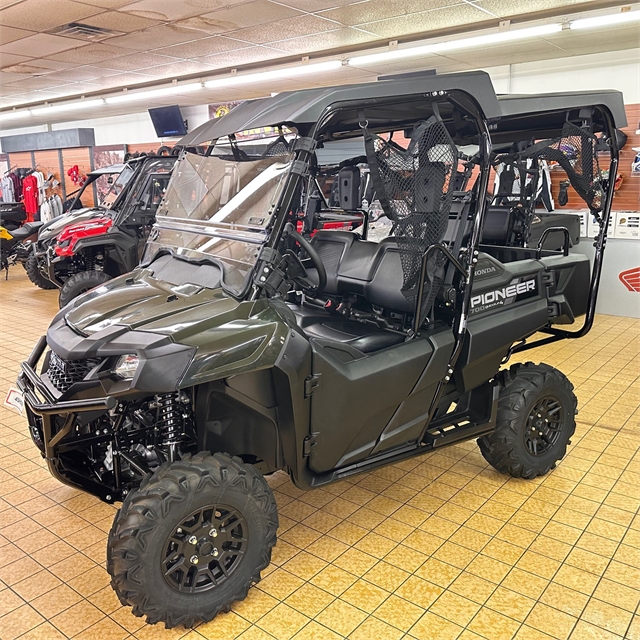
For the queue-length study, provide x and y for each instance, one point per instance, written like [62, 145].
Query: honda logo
[631, 279]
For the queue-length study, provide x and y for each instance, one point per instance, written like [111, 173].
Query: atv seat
[26, 230]
[372, 270]
[365, 337]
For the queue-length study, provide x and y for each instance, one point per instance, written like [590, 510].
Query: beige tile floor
[438, 547]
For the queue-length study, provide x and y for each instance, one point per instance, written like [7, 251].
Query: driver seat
[23, 232]
[363, 336]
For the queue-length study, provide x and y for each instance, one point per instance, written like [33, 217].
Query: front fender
[247, 338]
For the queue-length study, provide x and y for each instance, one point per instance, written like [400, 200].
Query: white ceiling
[155, 41]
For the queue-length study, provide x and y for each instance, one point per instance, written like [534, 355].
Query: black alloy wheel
[205, 549]
[535, 421]
[544, 425]
[192, 539]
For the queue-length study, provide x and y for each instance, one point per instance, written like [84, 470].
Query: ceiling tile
[202, 47]
[248, 14]
[42, 43]
[232, 59]
[504, 8]
[117, 21]
[373, 10]
[318, 5]
[123, 79]
[163, 35]
[170, 10]
[88, 54]
[8, 60]
[105, 4]
[177, 69]
[9, 34]
[304, 25]
[35, 83]
[6, 89]
[36, 67]
[136, 61]
[426, 21]
[344, 37]
[41, 15]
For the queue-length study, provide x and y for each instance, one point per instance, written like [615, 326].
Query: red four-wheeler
[86, 247]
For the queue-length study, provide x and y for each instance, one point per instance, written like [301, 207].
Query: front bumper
[51, 424]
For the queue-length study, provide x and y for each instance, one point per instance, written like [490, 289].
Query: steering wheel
[301, 278]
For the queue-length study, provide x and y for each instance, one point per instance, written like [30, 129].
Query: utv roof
[103, 171]
[305, 107]
[543, 115]
[513, 113]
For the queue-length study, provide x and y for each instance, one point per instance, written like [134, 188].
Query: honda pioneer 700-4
[251, 340]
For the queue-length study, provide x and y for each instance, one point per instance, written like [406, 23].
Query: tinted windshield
[219, 207]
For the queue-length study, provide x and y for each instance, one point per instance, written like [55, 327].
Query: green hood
[141, 302]
[230, 337]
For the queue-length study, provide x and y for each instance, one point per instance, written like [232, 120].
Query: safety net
[576, 152]
[415, 188]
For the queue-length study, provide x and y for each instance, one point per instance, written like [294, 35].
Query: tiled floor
[438, 547]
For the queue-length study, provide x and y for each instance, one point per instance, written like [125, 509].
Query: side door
[356, 395]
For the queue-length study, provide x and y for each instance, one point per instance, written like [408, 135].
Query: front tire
[35, 275]
[81, 283]
[192, 539]
[536, 419]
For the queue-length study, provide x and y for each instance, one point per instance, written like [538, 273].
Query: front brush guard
[40, 402]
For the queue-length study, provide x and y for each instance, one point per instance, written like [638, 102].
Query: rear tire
[155, 566]
[81, 283]
[536, 419]
[35, 275]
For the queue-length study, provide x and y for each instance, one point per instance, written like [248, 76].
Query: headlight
[127, 366]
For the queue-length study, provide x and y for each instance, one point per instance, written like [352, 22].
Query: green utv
[251, 339]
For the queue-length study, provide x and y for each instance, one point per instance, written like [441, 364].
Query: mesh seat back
[415, 187]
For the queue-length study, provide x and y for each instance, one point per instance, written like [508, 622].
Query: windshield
[147, 188]
[108, 192]
[219, 207]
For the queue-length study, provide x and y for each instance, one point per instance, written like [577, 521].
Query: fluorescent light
[70, 106]
[14, 115]
[604, 21]
[462, 43]
[264, 76]
[154, 93]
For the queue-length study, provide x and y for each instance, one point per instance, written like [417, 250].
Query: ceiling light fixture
[70, 106]
[453, 45]
[154, 93]
[264, 76]
[605, 21]
[14, 115]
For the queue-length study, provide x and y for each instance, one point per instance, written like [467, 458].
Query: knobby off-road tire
[535, 422]
[34, 274]
[80, 283]
[154, 516]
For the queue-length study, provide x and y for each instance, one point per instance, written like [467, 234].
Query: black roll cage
[465, 102]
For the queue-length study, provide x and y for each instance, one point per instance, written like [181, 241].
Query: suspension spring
[174, 421]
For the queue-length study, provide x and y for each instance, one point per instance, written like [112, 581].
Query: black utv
[242, 345]
[88, 246]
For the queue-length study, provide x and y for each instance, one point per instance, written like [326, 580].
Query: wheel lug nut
[193, 559]
[215, 553]
[192, 540]
[213, 533]
[179, 530]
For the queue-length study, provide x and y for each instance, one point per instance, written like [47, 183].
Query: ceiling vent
[83, 31]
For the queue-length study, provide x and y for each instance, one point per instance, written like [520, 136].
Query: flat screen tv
[168, 121]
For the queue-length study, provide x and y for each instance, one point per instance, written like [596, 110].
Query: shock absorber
[174, 421]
